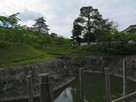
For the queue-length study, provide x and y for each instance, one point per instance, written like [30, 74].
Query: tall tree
[77, 31]
[90, 20]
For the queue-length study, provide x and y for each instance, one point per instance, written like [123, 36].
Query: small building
[40, 26]
[86, 43]
[130, 29]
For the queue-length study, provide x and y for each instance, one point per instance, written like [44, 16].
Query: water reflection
[94, 89]
[65, 96]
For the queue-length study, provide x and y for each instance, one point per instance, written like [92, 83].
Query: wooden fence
[47, 92]
[108, 90]
[107, 85]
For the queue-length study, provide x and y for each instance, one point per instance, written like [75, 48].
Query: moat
[94, 86]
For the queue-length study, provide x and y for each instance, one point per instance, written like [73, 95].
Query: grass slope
[16, 52]
[85, 50]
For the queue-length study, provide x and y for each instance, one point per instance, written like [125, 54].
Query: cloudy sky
[60, 14]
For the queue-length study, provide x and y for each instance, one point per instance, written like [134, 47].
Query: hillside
[19, 54]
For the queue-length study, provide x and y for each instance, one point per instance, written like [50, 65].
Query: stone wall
[13, 79]
[115, 64]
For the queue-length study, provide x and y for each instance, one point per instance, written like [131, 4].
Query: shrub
[4, 44]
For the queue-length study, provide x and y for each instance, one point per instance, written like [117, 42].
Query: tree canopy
[11, 31]
[11, 20]
[76, 32]
[92, 24]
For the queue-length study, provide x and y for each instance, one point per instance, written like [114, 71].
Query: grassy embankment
[77, 51]
[19, 54]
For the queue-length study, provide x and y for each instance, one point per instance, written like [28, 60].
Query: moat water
[94, 89]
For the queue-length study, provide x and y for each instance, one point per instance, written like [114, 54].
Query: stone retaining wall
[13, 79]
[115, 64]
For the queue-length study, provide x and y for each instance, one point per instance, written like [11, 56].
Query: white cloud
[62, 30]
[28, 15]
[60, 14]
[13, 6]
[29, 23]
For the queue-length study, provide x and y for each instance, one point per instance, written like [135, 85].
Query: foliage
[76, 32]
[105, 28]
[88, 50]
[53, 35]
[119, 43]
[11, 31]
[89, 19]
[4, 44]
[19, 35]
[115, 43]
[17, 54]
[12, 20]
[94, 27]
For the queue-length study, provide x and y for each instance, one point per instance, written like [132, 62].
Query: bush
[4, 44]
[118, 43]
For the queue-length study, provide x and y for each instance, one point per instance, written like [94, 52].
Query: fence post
[46, 89]
[81, 82]
[124, 78]
[30, 88]
[107, 84]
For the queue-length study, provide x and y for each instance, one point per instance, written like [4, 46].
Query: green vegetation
[43, 58]
[11, 31]
[18, 44]
[35, 39]
[58, 51]
[118, 43]
[87, 50]
[18, 54]
[90, 25]
[11, 20]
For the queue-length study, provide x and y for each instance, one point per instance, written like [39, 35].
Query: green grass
[14, 54]
[31, 61]
[85, 50]
[61, 51]
[17, 52]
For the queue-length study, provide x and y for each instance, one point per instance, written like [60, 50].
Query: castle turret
[40, 26]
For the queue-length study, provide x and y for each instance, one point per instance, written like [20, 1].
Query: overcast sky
[60, 14]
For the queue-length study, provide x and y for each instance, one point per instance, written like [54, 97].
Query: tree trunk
[88, 42]
[79, 43]
[89, 31]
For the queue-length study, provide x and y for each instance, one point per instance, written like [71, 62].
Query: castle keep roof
[40, 26]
